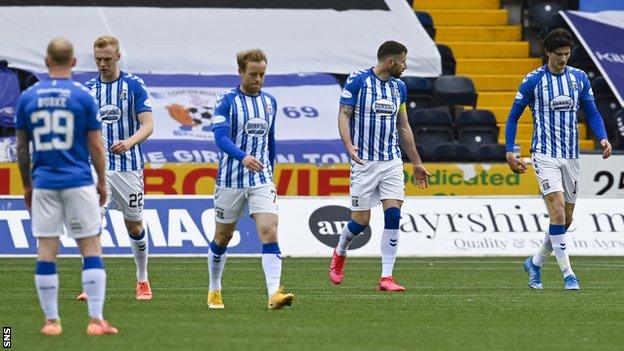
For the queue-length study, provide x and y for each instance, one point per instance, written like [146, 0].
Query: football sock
[140, 250]
[543, 252]
[94, 284]
[390, 240]
[216, 261]
[47, 283]
[558, 240]
[272, 266]
[349, 232]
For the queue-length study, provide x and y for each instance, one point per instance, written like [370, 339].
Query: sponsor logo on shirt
[110, 113]
[256, 127]
[561, 103]
[384, 107]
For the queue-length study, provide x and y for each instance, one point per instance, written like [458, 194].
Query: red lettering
[303, 182]
[190, 181]
[165, 186]
[284, 180]
[5, 181]
[325, 186]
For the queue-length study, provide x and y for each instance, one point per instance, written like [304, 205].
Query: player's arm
[593, 118]
[406, 138]
[523, 96]
[348, 99]
[146, 119]
[97, 153]
[271, 143]
[23, 161]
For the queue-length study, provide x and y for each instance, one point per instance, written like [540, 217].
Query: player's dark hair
[390, 47]
[558, 38]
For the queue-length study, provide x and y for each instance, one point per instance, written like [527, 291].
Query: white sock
[140, 250]
[543, 252]
[561, 253]
[216, 263]
[47, 289]
[345, 239]
[94, 284]
[389, 248]
[272, 266]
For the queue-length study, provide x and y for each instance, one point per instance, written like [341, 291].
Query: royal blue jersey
[376, 104]
[120, 103]
[554, 100]
[250, 119]
[58, 114]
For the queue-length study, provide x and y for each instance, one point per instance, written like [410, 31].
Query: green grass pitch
[451, 304]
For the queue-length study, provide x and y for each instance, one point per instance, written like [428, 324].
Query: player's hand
[515, 164]
[101, 190]
[252, 163]
[120, 147]
[606, 148]
[420, 176]
[28, 197]
[353, 153]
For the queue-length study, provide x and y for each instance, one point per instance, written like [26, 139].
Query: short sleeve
[351, 90]
[94, 120]
[222, 112]
[142, 103]
[20, 117]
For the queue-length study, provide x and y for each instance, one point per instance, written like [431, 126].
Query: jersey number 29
[59, 124]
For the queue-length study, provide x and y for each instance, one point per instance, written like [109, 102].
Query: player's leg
[84, 224]
[127, 192]
[263, 208]
[570, 171]
[47, 226]
[392, 193]
[228, 203]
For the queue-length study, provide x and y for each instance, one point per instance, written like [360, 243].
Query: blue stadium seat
[607, 104]
[541, 12]
[476, 128]
[454, 90]
[431, 136]
[452, 152]
[618, 140]
[426, 21]
[419, 93]
[581, 60]
[431, 117]
[448, 60]
[491, 153]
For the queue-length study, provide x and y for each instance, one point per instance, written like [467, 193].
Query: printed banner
[331, 180]
[430, 226]
[160, 38]
[602, 177]
[601, 35]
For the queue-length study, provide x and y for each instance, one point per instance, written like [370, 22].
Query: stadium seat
[618, 140]
[430, 117]
[491, 153]
[454, 90]
[581, 60]
[426, 21]
[419, 93]
[448, 59]
[476, 117]
[540, 12]
[431, 136]
[476, 128]
[452, 152]
[607, 104]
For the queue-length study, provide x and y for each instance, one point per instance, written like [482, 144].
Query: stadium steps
[501, 113]
[456, 4]
[478, 33]
[492, 49]
[496, 82]
[496, 17]
[525, 131]
[521, 66]
[496, 98]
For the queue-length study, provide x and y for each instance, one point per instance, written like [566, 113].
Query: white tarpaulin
[205, 39]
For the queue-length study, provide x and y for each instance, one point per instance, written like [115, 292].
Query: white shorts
[125, 190]
[78, 208]
[557, 174]
[230, 202]
[375, 181]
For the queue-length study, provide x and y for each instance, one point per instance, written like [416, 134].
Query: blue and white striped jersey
[120, 103]
[250, 119]
[376, 104]
[554, 100]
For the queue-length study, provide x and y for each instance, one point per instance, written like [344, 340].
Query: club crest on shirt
[575, 86]
[268, 109]
[110, 113]
[123, 95]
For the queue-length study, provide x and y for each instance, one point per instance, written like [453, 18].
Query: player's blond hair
[252, 55]
[106, 40]
[60, 51]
